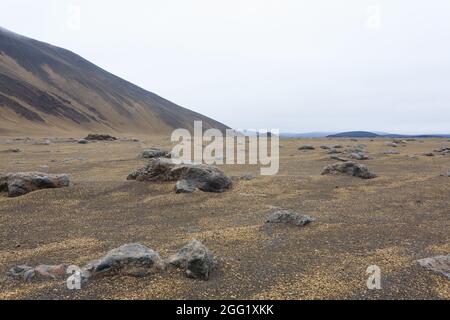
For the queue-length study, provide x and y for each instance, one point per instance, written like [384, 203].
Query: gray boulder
[184, 186]
[130, 259]
[18, 184]
[289, 217]
[438, 264]
[204, 177]
[195, 259]
[349, 168]
[153, 153]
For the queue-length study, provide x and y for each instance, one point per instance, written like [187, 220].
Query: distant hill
[367, 134]
[305, 135]
[44, 88]
[355, 134]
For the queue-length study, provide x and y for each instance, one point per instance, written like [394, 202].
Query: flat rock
[153, 153]
[339, 159]
[195, 259]
[289, 217]
[349, 168]
[18, 184]
[438, 264]
[83, 141]
[204, 177]
[359, 156]
[130, 259]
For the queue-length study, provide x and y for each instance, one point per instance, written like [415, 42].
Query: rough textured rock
[438, 264]
[41, 272]
[204, 177]
[195, 259]
[153, 153]
[184, 186]
[359, 156]
[130, 259]
[100, 137]
[289, 217]
[306, 147]
[349, 168]
[18, 184]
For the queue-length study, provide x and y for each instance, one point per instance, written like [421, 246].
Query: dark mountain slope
[43, 87]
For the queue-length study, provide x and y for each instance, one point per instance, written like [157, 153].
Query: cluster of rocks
[189, 177]
[349, 168]
[18, 184]
[100, 137]
[443, 151]
[135, 259]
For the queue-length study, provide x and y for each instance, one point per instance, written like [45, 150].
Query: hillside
[46, 89]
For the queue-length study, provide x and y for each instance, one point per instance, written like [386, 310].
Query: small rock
[334, 151]
[41, 272]
[438, 264]
[389, 152]
[153, 153]
[289, 217]
[349, 168]
[392, 144]
[325, 147]
[359, 156]
[195, 259]
[429, 154]
[338, 159]
[83, 141]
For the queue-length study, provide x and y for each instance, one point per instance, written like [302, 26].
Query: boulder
[438, 264]
[204, 177]
[130, 259]
[18, 184]
[195, 259]
[306, 147]
[153, 153]
[349, 168]
[289, 217]
[41, 272]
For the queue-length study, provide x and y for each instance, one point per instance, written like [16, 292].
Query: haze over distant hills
[359, 134]
[45, 88]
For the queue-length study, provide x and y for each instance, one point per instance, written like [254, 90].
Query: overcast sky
[299, 66]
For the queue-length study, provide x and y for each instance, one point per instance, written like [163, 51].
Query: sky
[296, 66]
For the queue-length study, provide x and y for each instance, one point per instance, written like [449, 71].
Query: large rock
[195, 259]
[204, 177]
[289, 217]
[153, 153]
[349, 168]
[438, 264]
[18, 184]
[41, 272]
[130, 259]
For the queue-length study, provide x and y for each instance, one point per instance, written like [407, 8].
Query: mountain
[44, 88]
[366, 134]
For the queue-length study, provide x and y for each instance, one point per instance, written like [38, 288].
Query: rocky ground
[390, 221]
